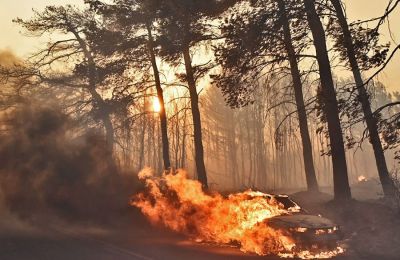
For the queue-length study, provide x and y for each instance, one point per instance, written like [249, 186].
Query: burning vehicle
[256, 222]
[309, 231]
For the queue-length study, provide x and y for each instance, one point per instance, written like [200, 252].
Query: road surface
[130, 242]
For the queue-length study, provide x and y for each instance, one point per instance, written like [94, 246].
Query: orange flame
[181, 205]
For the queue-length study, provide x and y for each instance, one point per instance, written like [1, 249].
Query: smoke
[48, 171]
[7, 58]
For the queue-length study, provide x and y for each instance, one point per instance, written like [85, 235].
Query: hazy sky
[12, 39]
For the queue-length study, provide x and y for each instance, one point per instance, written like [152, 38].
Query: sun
[156, 105]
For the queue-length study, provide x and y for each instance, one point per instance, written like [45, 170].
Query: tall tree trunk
[260, 145]
[241, 143]
[194, 100]
[311, 178]
[142, 139]
[231, 136]
[340, 175]
[160, 96]
[109, 129]
[177, 139]
[250, 151]
[104, 116]
[184, 135]
[273, 151]
[387, 183]
[150, 145]
[98, 100]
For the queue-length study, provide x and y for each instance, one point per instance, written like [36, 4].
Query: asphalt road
[134, 242]
[137, 241]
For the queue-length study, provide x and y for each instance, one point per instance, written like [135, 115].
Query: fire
[181, 205]
[362, 178]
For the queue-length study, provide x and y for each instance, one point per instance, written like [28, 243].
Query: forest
[192, 120]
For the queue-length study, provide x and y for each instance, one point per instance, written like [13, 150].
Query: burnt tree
[330, 104]
[370, 118]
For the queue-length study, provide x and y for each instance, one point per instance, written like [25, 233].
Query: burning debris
[362, 178]
[241, 219]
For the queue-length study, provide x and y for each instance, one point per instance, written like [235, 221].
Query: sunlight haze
[13, 40]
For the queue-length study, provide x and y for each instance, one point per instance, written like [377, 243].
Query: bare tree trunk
[150, 145]
[273, 151]
[98, 100]
[141, 148]
[160, 159]
[109, 129]
[194, 98]
[104, 116]
[160, 96]
[340, 175]
[177, 138]
[284, 164]
[317, 150]
[311, 178]
[184, 135]
[127, 162]
[249, 143]
[225, 149]
[260, 144]
[241, 143]
[232, 149]
[387, 183]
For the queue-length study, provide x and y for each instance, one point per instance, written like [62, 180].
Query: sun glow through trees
[156, 105]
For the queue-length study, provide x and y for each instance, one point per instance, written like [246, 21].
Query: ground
[371, 229]
[126, 242]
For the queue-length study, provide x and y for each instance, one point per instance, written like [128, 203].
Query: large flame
[180, 204]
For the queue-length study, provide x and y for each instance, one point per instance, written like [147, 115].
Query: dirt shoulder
[371, 228]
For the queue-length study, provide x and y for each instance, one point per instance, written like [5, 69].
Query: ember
[180, 204]
[361, 178]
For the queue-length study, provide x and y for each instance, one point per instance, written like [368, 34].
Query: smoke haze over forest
[162, 129]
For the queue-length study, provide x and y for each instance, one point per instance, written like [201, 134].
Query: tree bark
[194, 100]
[160, 96]
[340, 175]
[311, 178]
[387, 183]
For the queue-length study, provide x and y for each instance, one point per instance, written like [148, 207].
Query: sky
[12, 39]
[364, 9]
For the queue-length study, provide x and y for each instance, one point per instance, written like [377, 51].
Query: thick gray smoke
[44, 172]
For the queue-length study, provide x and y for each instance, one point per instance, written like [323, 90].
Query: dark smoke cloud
[44, 172]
